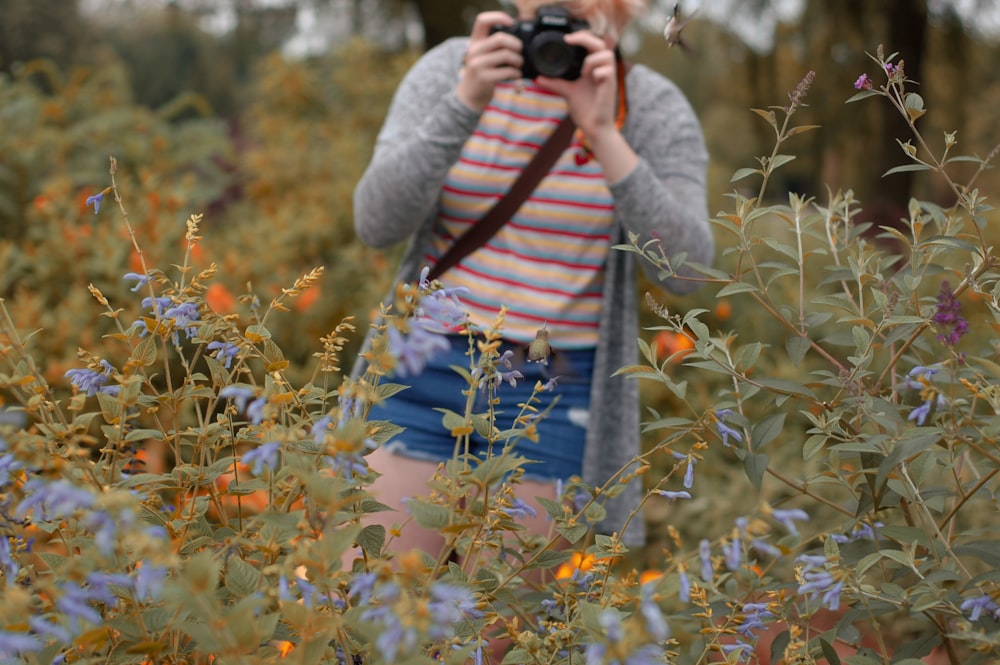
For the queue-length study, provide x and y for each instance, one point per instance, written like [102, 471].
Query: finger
[486, 20]
[587, 40]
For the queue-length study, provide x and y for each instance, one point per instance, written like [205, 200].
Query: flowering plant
[191, 504]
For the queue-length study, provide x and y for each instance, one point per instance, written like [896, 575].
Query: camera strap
[504, 209]
[480, 232]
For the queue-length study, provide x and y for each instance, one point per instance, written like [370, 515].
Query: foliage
[249, 543]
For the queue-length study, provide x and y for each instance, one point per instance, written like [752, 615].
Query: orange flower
[668, 343]
[581, 562]
[723, 310]
[649, 576]
[220, 298]
[308, 298]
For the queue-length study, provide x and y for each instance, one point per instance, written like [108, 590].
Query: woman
[462, 124]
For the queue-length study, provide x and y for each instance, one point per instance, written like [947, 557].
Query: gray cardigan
[663, 197]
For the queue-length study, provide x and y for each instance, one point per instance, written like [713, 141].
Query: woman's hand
[490, 59]
[593, 105]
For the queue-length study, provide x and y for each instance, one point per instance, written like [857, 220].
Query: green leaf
[372, 539]
[242, 578]
[780, 160]
[549, 559]
[797, 346]
[734, 288]
[745, 173]
[905, 168]
[755, 465]
[767, 430]
[864, 94]
[144, 353]
[429, 515]
[787, 387]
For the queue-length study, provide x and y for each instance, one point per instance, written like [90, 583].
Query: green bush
[191, 501]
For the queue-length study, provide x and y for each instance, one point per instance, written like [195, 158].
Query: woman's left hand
[593, 105]
[592, 98]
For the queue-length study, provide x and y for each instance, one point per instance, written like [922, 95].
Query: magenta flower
[863, 83]
[948, 316]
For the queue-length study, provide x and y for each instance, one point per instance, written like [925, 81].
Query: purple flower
[13, 645]
[148, 583]
[92, 382]
[755, 615]
[262, 457]
[519, 509]
[787, 518]
[978, 605]
[95, 201]
[319, 429]
[724, 430]
[920, 413]
[8, 465]
[733, 551]
[140, 280]
[683, 586]
[862, 531]
[818, 583]
[414, 350]
[10, 567]
[449, 606]
[948, 316]
[224, 352]
[53, 500]
[863, 83]
[238, 394]
[673, 496]
[705, 554]
[745, 650]
[656, 625]
[184, 315]
[440, 310]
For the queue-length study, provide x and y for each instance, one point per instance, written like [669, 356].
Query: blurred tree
[32, 29]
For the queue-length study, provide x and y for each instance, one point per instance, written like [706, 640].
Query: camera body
[545, 51]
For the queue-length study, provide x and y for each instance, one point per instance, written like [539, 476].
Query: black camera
[545, 51]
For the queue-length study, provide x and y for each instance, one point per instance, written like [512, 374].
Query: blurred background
[261, 115]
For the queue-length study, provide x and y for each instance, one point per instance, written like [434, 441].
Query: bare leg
[402, 478]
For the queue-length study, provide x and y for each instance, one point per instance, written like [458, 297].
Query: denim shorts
[561, 432]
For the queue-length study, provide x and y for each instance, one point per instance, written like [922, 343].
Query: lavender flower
[140, 280]
[10, 567]
[95, 201]
[683, 586]
[724, 430]
[673, 496]
[184, 315]
[262, 457]
[414, 350]
[519, 509]
[948, 316]
[439, 310]
[862, 531]
[755, 616]
[733, 551]
[92, 382]
[13, 645]
[53, 500]
[224, 352]
[238, 394]
[980, 604]
[705, 554]
[818, 583]
[787, 518]
[148, 584]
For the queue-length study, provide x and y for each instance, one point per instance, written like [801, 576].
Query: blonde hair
[605, 16]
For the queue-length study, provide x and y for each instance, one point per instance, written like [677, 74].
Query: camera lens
[551, 55]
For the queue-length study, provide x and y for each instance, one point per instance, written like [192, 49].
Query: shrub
[876, 545]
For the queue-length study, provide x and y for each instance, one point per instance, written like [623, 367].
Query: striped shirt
[546, 264]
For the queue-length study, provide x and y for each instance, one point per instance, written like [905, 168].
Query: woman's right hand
[490, 59]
